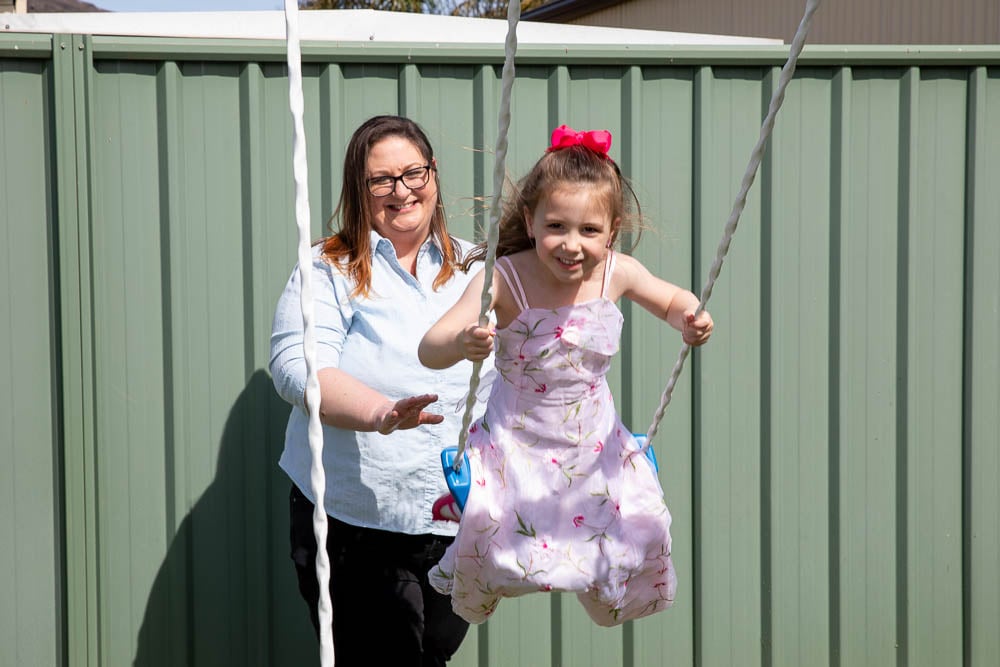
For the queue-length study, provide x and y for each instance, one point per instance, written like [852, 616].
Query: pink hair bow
[598, 141]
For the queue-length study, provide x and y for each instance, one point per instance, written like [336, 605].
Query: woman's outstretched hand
[697, 328]
[407, 413]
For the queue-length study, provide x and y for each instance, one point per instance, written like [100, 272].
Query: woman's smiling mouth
[400, 208]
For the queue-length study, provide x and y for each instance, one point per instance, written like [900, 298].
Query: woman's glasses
[414, 179]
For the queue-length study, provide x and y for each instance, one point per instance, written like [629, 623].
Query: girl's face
[404, 213]
[572, 231]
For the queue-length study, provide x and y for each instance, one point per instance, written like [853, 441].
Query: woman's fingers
[431, 418]
[409, 413]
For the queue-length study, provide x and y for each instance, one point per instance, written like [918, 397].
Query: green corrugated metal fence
[830, 457]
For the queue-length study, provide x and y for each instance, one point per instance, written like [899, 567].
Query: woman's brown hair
[349, 249]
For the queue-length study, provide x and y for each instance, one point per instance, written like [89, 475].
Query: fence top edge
[181, 48]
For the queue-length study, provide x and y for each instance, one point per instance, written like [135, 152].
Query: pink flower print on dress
[599, 447]
[541, 389]
[578, 520]
[570, 334]
[540, 556]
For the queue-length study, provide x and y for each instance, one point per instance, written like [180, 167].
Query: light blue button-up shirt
[379, 481]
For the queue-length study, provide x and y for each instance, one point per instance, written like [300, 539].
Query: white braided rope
[741, 199]
[317, 478]
[493, 232]
[302, 214]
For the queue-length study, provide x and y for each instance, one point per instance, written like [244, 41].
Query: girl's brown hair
[571, 166]
[349, 249]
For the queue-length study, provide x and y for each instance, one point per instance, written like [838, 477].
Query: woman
[380, 282]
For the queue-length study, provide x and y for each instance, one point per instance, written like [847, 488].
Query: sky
[186, 5]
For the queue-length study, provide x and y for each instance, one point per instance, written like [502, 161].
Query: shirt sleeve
[332, 321]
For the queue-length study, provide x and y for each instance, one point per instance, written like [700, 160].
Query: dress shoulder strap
[503, 265]
[609, 268]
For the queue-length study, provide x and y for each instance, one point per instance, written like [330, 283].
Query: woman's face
[404, 214]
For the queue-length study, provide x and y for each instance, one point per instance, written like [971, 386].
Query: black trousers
[384, 609]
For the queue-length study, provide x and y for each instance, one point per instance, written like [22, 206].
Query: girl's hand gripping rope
[474, 342]
[697, 328]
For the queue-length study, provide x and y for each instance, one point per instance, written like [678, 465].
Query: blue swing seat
[460, 481]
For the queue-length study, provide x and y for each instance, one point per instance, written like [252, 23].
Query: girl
[560, 499]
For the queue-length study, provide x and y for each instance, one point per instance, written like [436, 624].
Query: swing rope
[317, 476]
[302, 215]
[741, 199]
[493, 232]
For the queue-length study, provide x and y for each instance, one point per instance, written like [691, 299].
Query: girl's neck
[544, 290]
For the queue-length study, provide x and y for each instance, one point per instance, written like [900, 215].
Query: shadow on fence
[226, 593]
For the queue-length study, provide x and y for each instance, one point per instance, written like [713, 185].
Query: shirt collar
[381, 244]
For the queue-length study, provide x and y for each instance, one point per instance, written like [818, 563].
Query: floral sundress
[560, 499]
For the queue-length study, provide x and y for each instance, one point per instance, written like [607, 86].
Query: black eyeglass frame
[401, 178]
